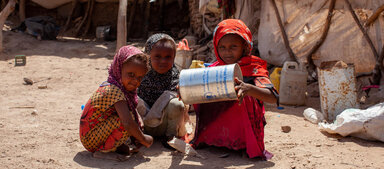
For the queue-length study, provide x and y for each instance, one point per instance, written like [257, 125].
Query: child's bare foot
[123, 150]
[110, 156]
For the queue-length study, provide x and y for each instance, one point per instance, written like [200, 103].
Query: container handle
[186, 44]
[183, 45]
[290, 65]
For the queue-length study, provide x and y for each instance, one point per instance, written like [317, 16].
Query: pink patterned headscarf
[114, 78]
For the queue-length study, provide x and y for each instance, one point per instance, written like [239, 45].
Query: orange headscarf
[250, 65]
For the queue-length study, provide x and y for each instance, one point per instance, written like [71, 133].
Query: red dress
[228, 124]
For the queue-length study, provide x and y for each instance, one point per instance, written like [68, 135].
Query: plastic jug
[275, 77]
[293, 84]
[197, 64]
[313, 115]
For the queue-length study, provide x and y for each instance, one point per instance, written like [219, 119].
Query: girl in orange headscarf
[237, 124]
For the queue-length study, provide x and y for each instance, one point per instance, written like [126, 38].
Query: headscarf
[250, 65]
[154, 83]
[114, 78]
[154, 39]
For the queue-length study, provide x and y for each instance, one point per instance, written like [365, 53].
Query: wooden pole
[366, 36]
[74, 4]
[3, 16]
[121, 25]
[84, 19]
[374, 16]
[22, 10]
[89, 19]
[311, 65]
[162, 4]
[147, 12]
[131, 17]
[284, 34]
[376, 76]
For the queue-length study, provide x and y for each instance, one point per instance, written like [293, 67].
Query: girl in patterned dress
[110, 126]
[237, 124]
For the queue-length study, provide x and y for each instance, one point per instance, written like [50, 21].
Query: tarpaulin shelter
[304, 23]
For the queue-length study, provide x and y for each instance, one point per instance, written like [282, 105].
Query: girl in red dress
[237, 124]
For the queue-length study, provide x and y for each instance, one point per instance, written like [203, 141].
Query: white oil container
[293, 84]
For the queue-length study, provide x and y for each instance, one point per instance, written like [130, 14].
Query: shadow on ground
[214, 158]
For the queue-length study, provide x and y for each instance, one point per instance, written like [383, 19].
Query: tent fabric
[246, 12]
[304, 21]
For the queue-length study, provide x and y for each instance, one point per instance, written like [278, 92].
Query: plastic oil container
[197, 64]
[275, 77]
[293, 84]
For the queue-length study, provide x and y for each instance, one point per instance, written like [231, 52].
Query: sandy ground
[72, 71]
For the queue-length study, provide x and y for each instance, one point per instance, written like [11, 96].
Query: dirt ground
[72, 70]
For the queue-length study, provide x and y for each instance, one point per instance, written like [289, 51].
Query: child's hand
[148, 141]
[242, 89]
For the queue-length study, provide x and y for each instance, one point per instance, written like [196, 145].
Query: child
[163, 113]
[110, 122]
[237, 124]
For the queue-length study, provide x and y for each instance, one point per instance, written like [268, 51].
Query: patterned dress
[100, 127]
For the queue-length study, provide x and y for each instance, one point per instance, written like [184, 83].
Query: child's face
[231, 48]
[131, 75]
[162, 59]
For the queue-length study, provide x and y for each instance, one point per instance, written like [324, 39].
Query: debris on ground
[286, 129]
[42, 87]
[28, 81]
[34, 112]
[183, 147]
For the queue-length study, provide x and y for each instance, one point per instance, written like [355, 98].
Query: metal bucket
[211, 84]
[337, 84]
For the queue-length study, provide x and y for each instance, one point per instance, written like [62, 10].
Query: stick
[379, 62]
[374, 16]
[74, 5]
[121, 25]
[131, 17]
[162, 3]
[22, 107]
[362, 29]
[3, 16]
[89, 19]
[22, 10]
[147, 9]
[84, 19]
[376, 71]
[379, 67]
[311, 65]
[284, 34]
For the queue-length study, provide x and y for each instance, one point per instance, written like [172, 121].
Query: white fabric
[366, 124]
[153, 116]
[304, 21]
